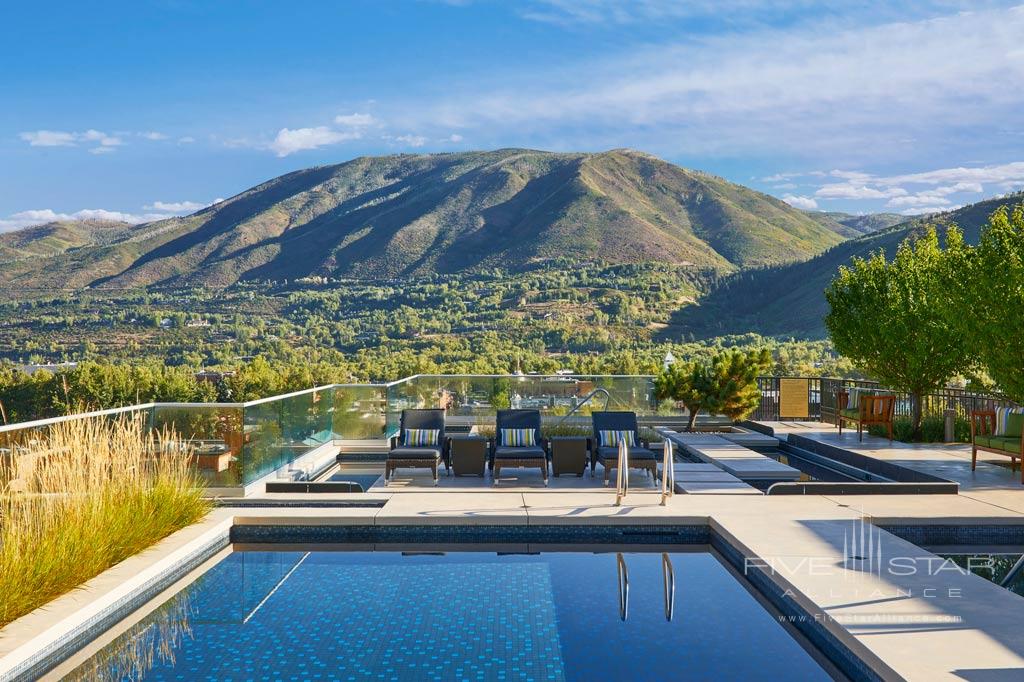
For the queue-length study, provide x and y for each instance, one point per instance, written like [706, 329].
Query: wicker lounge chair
[640, 454]
[406, 456]
[505, 455]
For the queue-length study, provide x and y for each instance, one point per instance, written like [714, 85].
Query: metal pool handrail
[590, 396]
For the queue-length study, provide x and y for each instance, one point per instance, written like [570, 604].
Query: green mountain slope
[789, 300]
[57, 237]
[412, 215]
[851, 226]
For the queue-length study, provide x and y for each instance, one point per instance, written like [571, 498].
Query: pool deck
[919, 625]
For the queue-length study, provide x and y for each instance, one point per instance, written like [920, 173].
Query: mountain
[851, 226]
[57, 237]
[412, 215]
[789, 300]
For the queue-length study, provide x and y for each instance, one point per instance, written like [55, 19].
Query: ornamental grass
[83, 497]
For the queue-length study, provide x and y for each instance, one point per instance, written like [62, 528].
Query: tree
[991, 298]
[677, 382]
[888, 317]
[726, 384]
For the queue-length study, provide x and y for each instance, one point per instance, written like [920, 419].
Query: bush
[933, 430]
[91, 494]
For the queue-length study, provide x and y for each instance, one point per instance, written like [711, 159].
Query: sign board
[793, 398]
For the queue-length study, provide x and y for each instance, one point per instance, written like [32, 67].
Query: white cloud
[153, 135]
[806, 203]
[49, 138]
[188, 139]
[923, 210]
[847, 190]
[455, 137]
[412, 140]
[785, 185]
[289, 141]
[355, 120]
[917, 200]
[62, 138]
[831, 88]
[177, 206]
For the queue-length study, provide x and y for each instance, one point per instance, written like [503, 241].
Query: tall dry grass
[92, 493]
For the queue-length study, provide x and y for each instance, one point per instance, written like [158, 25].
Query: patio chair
[608, 428]
[420, 443]
[518, 443]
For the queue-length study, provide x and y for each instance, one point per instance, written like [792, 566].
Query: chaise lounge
[518, 443]
[1000, 431]
[865, 408]
[609, 428]
[420, 443]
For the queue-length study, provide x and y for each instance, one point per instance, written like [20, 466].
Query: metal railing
[590, 396]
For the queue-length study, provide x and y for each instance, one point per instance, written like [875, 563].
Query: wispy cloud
[820, 90]
[99, 141]
[180, 206]
[924, 192]
[411, 140]
[355, 120]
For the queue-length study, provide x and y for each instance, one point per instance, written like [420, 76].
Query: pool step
[707, 479]
[741, 462]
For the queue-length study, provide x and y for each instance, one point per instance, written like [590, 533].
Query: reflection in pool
[470, 615]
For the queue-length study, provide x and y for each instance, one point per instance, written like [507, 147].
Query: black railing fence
[822, 399]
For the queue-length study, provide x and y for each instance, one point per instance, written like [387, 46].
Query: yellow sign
[793, 398]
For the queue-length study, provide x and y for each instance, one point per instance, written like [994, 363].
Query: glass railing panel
[279, 431]
[360, 412]
[212, 433]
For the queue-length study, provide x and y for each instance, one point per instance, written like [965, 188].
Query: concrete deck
[924, 624]
[992, 482]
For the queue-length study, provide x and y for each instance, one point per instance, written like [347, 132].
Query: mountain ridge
[412, 215]
[789, 300]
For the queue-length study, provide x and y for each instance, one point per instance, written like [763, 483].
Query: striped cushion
[610, 439]
[417, 438]
[518, 438]
[853, 398]
[1003, 415]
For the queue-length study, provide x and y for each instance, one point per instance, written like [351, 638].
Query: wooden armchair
[871, 409]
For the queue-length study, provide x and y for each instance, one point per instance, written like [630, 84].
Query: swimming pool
[345, 615]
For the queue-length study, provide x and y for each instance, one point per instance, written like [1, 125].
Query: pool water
[323, 615]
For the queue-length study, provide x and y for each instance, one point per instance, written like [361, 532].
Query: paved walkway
[992, 483]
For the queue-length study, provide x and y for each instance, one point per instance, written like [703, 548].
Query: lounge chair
[529, 451]
[420, 443]
[608, 426]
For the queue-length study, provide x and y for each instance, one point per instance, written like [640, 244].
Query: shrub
[89, 495]
[933, 430]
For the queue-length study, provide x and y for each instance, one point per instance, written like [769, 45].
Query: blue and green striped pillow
[1003, 417]
[610, 439]
[518, 438]
[418, 438]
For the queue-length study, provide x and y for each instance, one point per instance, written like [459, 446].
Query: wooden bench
[984, 437]
[870, 409]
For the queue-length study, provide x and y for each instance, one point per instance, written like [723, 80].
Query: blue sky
[145, 109]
